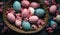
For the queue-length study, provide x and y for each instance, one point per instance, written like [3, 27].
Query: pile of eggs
[26, 15]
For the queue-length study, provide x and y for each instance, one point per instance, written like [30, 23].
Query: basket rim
[15, 28]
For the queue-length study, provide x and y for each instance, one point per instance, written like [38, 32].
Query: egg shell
[17, 5]
[18, 23]
[39, 12]
[26, 26]
[46, 2]
[34, 27]
[32, 10]
[58, 18]
[34, 5]
[25, 3]
[11, 17]
[53, 24]
[33, 19]
[25, 13]
[53, 8]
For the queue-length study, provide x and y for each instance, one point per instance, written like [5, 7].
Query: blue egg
[26, 25]
[39, 12]
[58, 8]
[16, 5]
[52, 23]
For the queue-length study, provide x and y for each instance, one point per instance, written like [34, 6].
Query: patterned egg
[18, 23]
[52, 22]
[58, 18]
[53, 8]
[39, 12]
[34, 5]
[17, 5]
[25, 13]
[26, 25]
[32, 10]
[33, 19]
[25, 3]
[11, 17]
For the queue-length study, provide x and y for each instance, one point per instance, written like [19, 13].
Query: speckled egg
[17, 5]
[53, 24]
[11, 17]
[18, 23]
[33, 19]
[25, 13]
[32, 10]
[25, 3]
[58, 18]
[26, 25]
[53, 8]
[39, 12]
[34, 5]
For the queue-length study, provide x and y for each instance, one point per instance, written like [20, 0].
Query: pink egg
[18, 23]
[34, 27]
[25, 3]
[33, 19]
[46, 2]
[34, 4]
[11, 17]
[25, 13]
[53, 9]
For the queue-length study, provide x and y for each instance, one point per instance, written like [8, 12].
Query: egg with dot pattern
[16, 5]
[39, 12]
[26, 25]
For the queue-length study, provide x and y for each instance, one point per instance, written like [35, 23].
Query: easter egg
[18, 23]
[11, 17]
[58, 18]
[25, 13]
[16, 5]
[26, 25]
[34, 5]
[39, 12]
[32, 10]
[53, 24]
[53, 8]
[59, 9]
[33, 19]
[25, 3]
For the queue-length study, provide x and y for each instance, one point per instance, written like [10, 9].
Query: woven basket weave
[17, 29]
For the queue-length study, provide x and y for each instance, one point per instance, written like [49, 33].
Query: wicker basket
[17, 29]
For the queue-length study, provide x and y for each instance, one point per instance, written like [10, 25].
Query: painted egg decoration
[25, 3]
[18, 23]
[58, 18]
[53, 24]
[26, 25]
[11, 17]
[53, 8]
[32, 10]
[39, 12]
[33, 19]
[25, 13]
[34, 5]
[17, 5]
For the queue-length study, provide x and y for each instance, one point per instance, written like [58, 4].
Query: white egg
[58, 18]
[11, 17]
[32, 10]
